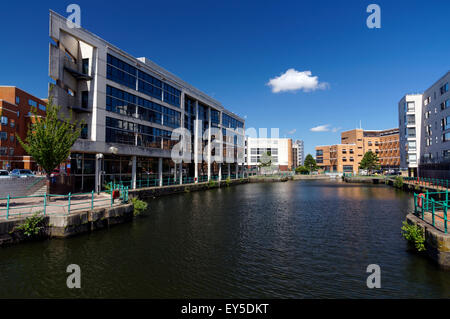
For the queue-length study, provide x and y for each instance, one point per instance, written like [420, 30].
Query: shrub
[139, 206]
[398, 183]
[414, 234]
[32, 225]
[227, 181]
[212, 183]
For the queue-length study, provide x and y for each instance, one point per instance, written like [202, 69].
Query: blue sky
[232, 49]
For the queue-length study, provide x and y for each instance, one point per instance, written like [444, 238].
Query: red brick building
[15, 108]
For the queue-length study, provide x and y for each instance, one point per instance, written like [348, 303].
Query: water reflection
[283, 240]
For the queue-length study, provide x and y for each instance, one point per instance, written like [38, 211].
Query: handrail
[424, 203]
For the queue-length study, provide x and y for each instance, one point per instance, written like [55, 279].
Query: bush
[414, 234]
[227, 181]
[301, 170]
[139, 206]
[32, 225]
[212, 183]
[398, 183]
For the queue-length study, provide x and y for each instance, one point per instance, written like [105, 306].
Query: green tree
[301, 170]
[310, 163]
[369, 161]
[50, 138]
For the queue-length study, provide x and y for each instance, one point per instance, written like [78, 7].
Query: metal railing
[45, 204]
[426, 203]
[428, 182]
[167, 181]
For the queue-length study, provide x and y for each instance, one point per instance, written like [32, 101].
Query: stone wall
[437, 243]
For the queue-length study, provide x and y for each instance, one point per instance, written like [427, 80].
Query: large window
[121, 72]
[121, 102]
[150, 85]
[444, 88]
[171, 95]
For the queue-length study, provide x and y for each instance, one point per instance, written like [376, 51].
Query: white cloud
[293, 80]
[320, 128]
[292, 131]
[335, 129]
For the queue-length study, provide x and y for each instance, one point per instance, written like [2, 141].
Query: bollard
[45, 203]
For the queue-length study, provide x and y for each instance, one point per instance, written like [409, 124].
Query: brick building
[15, 108]
[346, 157]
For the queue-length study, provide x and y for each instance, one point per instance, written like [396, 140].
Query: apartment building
[298, 153]
[435, 136]
[131, 106]
[346, 157]
[16, 106]
[279, 149]
[410, 127]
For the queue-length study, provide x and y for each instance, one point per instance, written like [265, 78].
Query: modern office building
[410, 127]
[346, 157]
[279, 150]
[435, 136]
[297, 153]
[130, 107]
[16, 106]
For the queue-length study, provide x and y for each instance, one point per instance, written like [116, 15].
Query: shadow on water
[305, 239]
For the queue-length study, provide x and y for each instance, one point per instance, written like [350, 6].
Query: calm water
[311, 239]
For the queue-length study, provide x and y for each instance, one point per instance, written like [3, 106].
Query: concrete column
[133, 172]
[220, 172]
[237, 170]
[181, 173]
[196, 143]
[229, 170]
[160, 172]
[209, 144]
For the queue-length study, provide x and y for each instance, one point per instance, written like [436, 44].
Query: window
[445, 104]
[410, 119]
[427, 101]
[11, 138]
[42, 107]
[411, 132]
[85, 66]
[121, 72]
[319, 153]
[444, 88]
[171, 95]
[12, 123]
[412, 158]
[445, 123]
[17, 100]
[84, 99]
[84, 131]
[3, 136]
[4, 120]
[411, 145]
[32, 103]
[446, 137]
[410, 107]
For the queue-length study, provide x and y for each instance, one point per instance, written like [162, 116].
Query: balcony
[72, 67]
[63, 98]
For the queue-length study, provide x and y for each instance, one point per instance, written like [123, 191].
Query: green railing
[426, 203]
[14, 206]
[428, 182]
[167, 181]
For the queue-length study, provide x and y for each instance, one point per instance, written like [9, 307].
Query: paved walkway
[57, 205]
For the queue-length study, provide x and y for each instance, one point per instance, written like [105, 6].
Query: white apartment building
[279, 149]
[130, 107]
[435, 137]
[410, 128]
[298, 155]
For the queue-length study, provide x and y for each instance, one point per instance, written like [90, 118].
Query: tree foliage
[310, 163]
[301, 170]
[369, 161]
[50, 138]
